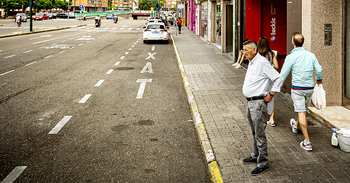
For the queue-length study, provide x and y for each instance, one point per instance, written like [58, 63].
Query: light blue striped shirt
[261, 78]
[302, 64]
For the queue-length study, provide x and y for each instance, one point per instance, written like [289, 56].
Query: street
[93, 104]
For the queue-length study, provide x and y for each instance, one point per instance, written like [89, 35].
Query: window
[89, 1]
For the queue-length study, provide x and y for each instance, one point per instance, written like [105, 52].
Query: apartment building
[90, 5]
[169, 4]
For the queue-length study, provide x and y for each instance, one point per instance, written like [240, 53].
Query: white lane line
[10, 56]
[31, 63]
[87, 41]
[62, 51]
[56, 38]
[7, 72]
[28, 51]
[2, 85]
[84, 99]
[60, 125]
[135, 43]
[126, 53]
[153, 47]
[14, 174]
[48, 56]
[109, 71]
[99, 83]
[72, 47]
[142, 87]
[117, 63]
[133, 46]
[122, 57]
[80, 44]
[130, 48]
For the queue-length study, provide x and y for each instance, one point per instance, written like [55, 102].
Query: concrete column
[223, 26]
[306, 24]
[212, 20]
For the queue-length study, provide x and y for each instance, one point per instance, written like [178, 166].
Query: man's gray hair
[251, 44]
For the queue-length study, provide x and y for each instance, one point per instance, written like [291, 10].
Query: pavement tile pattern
[217, 88]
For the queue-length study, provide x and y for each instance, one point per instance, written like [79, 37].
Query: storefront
[218, 27]
[204, 20]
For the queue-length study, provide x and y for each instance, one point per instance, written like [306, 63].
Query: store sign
[273, 29]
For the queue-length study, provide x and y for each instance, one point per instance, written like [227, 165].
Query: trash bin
[344, 142]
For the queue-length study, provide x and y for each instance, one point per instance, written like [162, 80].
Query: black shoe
[249, 160]
[258, 171]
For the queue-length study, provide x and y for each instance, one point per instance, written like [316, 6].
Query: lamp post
[100, 4]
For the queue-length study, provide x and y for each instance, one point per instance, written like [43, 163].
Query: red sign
[68, 11]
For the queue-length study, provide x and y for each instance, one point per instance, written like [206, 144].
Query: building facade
[325, 25]
[90, 5]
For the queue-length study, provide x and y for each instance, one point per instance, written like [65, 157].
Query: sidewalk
[217, 91]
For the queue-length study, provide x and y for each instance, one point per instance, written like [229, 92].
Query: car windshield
[39, 14]
[156, 26]
[109, 14]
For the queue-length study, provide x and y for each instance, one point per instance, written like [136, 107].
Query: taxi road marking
[14, 174]
[142, 87]
[60, 125]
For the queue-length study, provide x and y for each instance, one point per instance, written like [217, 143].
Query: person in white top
[261, 83]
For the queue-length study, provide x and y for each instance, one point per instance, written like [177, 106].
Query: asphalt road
[95, 105]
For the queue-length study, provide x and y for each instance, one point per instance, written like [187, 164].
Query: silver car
[23, 16]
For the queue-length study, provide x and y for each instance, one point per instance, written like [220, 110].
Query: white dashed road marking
[109, 71]
[2, 85]
[30, 63]
[10, 56]
[14, 174]
[62, 51]
[126, 53]
[28, 51]
[60, 125]
[117, 63]
[99, 83]
[133, 46]
[84, 99]
[122, 57]
[48, 56]
[153, 47]
[130, 48]
[7, 72]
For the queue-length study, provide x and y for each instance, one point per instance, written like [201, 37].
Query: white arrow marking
[14, 174]
[150, 55]
[60, 125]
[147, 66]
[142, 87]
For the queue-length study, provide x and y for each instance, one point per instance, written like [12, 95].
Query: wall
[315, 14]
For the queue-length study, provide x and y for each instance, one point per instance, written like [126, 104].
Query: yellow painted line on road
[215, 173]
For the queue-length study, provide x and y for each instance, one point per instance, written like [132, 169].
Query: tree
[7, 5]
[147, 4]
[62, 4]
[43, 4]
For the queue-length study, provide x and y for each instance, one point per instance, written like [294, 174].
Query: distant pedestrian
[19, 21]
[179, 24]
[265, 51]
[302, 63]
[261, 83]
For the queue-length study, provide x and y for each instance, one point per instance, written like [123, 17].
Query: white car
[155, 32]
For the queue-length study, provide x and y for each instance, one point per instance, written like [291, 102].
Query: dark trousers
[179, 28]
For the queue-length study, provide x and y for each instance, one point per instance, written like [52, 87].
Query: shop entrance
[229, 28]
[346, 97]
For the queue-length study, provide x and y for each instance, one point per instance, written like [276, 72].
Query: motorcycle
[97, 22]
[115, 19]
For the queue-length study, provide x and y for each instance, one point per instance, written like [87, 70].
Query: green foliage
[43, 4]
[147, 4]
[61, 4]
[13, 4]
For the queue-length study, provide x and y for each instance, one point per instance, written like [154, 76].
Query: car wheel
[167, 42]
[144, 41]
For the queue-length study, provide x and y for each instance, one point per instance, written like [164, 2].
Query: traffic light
[157, 6]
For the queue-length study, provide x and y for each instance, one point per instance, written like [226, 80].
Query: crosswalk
[125, 29]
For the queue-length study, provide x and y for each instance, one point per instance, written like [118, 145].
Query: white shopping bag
[318, 98]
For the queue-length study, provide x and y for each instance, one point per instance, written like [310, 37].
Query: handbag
[318, 97]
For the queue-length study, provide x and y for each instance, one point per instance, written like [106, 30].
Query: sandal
[271, 123]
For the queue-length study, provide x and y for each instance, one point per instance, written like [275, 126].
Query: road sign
[68, 11]
[81, 6]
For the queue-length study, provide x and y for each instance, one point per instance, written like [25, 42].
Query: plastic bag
[318, 98]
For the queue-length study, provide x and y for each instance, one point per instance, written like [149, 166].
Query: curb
[213, 167]
[34, 32]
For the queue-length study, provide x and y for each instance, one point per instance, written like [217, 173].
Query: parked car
[71, 15]
[50, 15]
[23, 16]
[63, 15]
[41, 16]
[155, 31]
[109, 16]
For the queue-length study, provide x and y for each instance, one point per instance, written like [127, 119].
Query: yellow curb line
[213, 167]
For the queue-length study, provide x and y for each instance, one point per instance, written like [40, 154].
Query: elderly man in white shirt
[261, 83]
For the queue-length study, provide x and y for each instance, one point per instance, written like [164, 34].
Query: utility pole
[31, 17]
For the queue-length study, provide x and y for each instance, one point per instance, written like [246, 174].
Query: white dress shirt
[261, 78]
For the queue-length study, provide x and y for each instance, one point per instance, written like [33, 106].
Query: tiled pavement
[217, 88]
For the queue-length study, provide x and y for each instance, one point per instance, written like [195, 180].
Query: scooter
[115, 19]
[97, 22]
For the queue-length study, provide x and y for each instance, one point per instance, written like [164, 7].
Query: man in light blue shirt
[261, 83]
[302, 64]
